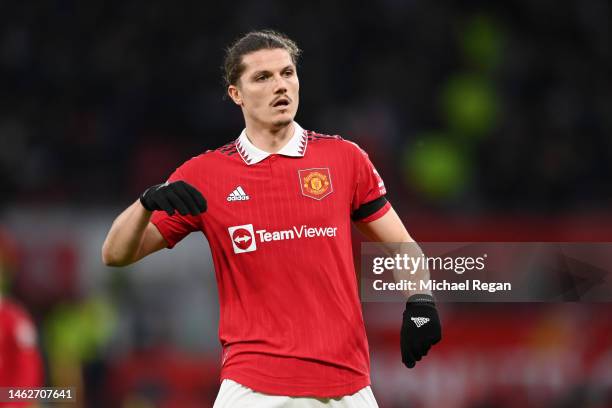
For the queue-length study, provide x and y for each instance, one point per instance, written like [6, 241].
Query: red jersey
[279, 229]
[20, 361]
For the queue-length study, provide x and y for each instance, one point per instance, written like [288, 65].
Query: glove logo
[419, 321]
[243, 238]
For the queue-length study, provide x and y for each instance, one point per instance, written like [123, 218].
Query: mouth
[281, 102]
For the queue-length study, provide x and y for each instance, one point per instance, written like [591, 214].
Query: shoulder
[332, 141]
[316, 137]
[210, 158]
[13, 312]
[227, 150]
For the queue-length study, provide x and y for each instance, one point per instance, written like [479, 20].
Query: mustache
[280, 98]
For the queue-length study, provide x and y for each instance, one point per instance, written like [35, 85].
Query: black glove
[174, 196]
[420, 328]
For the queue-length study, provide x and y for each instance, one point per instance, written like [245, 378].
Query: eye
[288, 73]
[261, 78]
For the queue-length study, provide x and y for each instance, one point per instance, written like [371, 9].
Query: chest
[282, 192]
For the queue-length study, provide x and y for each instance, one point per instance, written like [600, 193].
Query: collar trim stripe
[243, 152]
[295, 147]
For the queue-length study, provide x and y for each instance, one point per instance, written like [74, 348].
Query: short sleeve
[176, 227]
[369, 202]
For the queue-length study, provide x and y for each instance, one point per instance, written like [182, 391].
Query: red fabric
[291, 321]
[20, 362]
[369, 183]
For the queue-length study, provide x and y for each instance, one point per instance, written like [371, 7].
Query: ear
[234, 93]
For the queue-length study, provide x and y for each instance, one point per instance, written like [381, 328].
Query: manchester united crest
[315, 183]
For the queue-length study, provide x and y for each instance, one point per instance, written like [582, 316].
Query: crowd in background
[464, 106]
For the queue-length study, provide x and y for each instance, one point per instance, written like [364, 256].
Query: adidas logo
[419, 321]
[238, 195]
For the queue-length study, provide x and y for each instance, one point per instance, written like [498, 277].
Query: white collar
[296, 147]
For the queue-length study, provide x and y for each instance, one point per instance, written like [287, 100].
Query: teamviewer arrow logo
[243, 238]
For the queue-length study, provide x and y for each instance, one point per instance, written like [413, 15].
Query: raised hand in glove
[177, 195]
[420, 328]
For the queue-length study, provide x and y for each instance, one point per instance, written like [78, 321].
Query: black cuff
[144, 204]
[143, 199]
[368, 209]
[421, 299]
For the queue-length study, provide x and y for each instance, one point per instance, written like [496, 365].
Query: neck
[270, 140]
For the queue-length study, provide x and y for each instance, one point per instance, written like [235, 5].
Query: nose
[280, 85]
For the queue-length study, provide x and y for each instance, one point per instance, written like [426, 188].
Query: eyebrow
[265, 71]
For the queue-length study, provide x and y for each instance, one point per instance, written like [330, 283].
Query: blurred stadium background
[488, 122]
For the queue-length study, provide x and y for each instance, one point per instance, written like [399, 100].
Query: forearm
[420, 323]
[394, 240]
[418, 274]
[126, 235]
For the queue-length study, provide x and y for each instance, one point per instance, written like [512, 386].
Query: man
[20, 360]
[21, 364]
[276, 207]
